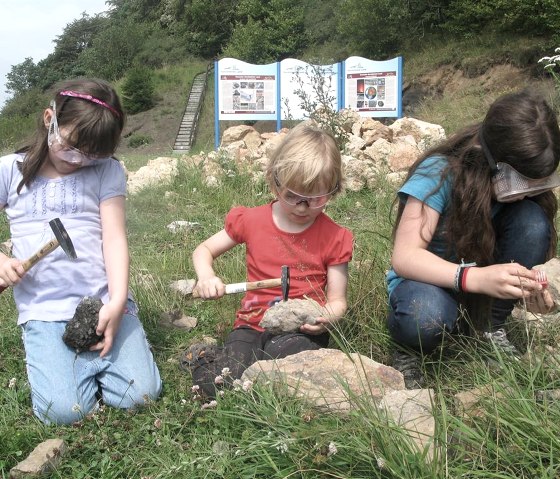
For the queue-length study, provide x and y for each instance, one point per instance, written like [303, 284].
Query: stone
[43, 459]
[183, 286]
[411, 410]
[288, 316]
[157, 171]
[181, 226]
[79, 333]
[329, 378]
[177, 319]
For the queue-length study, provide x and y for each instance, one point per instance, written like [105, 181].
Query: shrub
[138, 90]
[137, 140]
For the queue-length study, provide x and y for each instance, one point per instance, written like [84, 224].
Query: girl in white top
[68, 172]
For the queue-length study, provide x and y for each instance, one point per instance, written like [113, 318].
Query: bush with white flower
[551, 64]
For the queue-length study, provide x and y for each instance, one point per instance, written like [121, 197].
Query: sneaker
[500, 341]
[410, 366]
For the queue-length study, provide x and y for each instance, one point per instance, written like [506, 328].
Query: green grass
[267, 433]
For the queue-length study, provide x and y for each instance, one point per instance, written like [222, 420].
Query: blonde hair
[306, 161]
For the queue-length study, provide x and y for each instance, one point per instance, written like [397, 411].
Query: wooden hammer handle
[44, 251]
[247, 286]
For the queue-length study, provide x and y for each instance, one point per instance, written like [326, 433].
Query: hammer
[61, 239]
[283, 281]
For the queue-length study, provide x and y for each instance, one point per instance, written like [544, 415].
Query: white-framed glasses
[510, 185]
[60, 146]
[292, 198]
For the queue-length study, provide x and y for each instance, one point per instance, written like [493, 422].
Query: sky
[29, 28]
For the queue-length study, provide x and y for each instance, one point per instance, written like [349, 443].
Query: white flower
[209, 405]
[226, 372]
[221, 393]
[282, 447]
[195, 388]
[218, 380]
[237, 384]
[381, 463]
[183, 401]
[247, 385]
[12, 383]
[332, 449]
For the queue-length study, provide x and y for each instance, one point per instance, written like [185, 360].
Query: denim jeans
[419, 313]
[65, 386]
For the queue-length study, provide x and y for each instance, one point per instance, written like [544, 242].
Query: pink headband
[85, 96]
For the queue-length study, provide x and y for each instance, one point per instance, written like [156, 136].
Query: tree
[138, 90]
[22, 77]
[114, 49]
[374, 28]
[267, 31]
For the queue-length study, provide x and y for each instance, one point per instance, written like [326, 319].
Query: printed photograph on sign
[240, 96]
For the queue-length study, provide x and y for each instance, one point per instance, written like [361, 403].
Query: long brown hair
[520, 129]
[94, 127]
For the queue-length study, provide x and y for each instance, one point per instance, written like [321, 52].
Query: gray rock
[80, 331]
[289, 316]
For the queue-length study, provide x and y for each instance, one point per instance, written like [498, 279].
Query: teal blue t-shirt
[423, 185]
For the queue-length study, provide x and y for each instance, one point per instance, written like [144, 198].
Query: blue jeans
[65, 386]
[419, 313]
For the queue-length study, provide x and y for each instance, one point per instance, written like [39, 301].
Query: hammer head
[62, 237]
[285, 282]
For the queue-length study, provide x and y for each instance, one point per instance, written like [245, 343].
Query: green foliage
[207, 26]
[137, 140]
[374, 28]
[535, 17]
[22, 77]
[114, 49]
[138, 90]
[318, 105]
[267, 31]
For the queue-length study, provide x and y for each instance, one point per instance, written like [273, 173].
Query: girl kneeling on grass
[304, 173]
[475, 214]
[68, 172]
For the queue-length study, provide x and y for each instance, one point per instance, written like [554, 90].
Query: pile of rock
[372, 149]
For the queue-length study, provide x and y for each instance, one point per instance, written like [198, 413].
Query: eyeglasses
[293, 199]
[65, 152]
[510, 185]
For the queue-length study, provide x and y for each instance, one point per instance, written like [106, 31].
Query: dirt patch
[448, 80]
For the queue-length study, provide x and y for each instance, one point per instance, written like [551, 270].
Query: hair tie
[85, 96]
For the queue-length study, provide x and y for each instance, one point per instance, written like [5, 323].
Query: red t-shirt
[308, 254]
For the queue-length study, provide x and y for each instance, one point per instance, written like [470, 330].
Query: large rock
[158, 171]
[329, 378]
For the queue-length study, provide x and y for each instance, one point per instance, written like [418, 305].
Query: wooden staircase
[187, 128]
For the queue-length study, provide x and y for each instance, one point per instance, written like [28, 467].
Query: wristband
[460, 277]
[464, 272]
